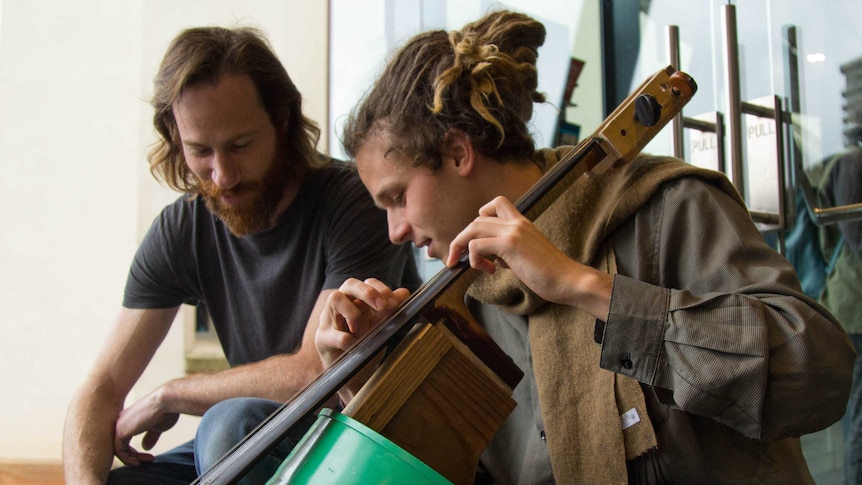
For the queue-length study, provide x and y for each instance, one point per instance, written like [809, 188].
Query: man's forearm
[277, 378]
[88, 448]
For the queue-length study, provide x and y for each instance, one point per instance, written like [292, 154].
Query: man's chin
[241, 221]
[252, 208]
[243, 226]
[239, 230]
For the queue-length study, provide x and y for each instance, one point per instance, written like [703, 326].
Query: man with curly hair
[662, 340]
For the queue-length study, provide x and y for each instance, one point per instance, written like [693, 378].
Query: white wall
[75, 192]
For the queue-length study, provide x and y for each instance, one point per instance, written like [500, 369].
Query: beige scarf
[581, 403]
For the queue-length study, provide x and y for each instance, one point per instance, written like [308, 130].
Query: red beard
[261, 199]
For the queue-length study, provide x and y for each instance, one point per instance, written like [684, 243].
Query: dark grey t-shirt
[260, 289]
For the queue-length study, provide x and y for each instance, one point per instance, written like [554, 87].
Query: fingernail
[380, 303]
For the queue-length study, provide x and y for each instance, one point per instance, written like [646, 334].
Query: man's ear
[459, 151]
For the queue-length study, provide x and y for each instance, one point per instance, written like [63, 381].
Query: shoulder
[181, 220]
[694, 188]
[683, 180]
[693, 182]
[692, 204]
[338, 184]
[663, 182]
[184, 212]
[182, 207]
[338, 173]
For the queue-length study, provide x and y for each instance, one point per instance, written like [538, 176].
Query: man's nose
[399, 230]
[225, 172]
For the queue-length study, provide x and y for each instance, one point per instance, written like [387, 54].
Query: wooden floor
[31, 474]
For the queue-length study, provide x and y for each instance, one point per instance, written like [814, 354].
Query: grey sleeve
[707, 313]
[153, 280]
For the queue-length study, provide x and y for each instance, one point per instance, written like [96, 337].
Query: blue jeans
[853, 421]
[220, 429]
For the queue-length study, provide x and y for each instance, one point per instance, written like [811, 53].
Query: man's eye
[398, 198]
[239, 145]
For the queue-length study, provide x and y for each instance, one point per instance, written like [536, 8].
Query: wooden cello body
[444, 387]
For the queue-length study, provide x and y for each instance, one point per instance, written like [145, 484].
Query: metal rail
[789, 153]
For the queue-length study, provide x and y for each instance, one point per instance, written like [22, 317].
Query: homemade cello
[454, 373]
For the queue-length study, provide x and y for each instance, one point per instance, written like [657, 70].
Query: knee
[226, 424]
[119, 476]
[149, 473]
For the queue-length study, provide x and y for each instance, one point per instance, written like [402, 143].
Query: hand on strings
[351, 312]
[348, 315]
[502, 236]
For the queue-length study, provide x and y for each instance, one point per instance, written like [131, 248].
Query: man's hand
[145, 416]
[351, 312]
[502, 236]
[356, 308]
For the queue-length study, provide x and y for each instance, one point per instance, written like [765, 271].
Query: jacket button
[627, 364]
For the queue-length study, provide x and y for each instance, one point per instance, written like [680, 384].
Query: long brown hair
[202, 55]
[481, 80]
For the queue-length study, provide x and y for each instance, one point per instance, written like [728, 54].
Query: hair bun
[469, 52]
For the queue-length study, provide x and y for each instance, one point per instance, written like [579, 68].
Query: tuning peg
[647, 110]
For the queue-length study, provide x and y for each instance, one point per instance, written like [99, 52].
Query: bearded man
[266, 229]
